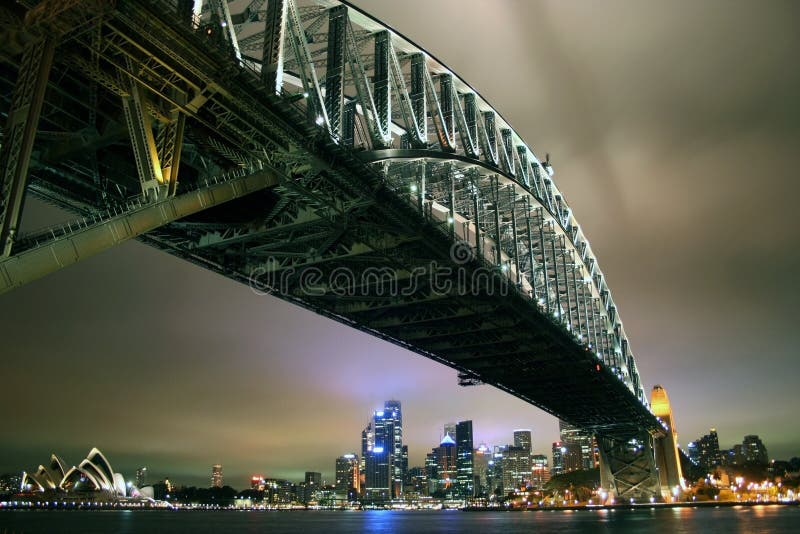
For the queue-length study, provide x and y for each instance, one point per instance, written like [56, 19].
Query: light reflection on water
[756, 519]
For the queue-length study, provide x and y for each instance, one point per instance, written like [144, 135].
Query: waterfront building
[10, 483]
[446, 465]
[480, 460]
[348, 478]
[384, 458]
[279, 492]
[216, 476]
[93, 478]
[754, 451]
[494, 473]
[431, 472]
[516, 468]
[394, 413]
[567, 457]
[540, 471]
[416, 481]
[141, 477]
[585, 440]
[704, 452]
[465, 466]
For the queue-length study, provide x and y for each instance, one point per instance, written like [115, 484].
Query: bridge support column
[627, 467]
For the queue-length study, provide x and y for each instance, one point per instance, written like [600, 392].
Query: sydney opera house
[92, 477]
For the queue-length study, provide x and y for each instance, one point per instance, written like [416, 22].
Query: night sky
[674, 130]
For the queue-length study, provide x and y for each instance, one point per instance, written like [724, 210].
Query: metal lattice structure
[383, 164]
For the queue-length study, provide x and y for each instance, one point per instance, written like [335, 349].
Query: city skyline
[232, 371]
[569, 442]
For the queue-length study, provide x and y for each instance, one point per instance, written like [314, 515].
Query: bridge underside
[445, 255]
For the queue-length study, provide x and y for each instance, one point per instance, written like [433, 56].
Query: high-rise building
[540, 471]
[754, 451]
[416, 481]
[394, 412]
[449, 430]
[567, 457]
[522, 438]
[141, 477]
[585, 440]
[465, 466]
[313, 484]
[216, 476]
[704, 452]
[384, 458]
[446, 465]
[480, 459]
[516, 468]
[494, 474]
[348, 479]
[431, 472]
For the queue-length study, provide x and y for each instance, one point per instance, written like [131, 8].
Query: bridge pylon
[627, 467]
[666, 447]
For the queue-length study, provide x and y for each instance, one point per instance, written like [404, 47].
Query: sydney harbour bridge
[281, 143]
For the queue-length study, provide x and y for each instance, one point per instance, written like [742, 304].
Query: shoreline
[641, 506]
[636, 506]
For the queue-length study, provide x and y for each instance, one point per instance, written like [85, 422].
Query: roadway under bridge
[306, 149]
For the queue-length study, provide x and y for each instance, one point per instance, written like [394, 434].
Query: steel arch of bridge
[379, 157]
[385, 95]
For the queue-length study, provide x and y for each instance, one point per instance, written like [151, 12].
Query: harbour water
[750, 520]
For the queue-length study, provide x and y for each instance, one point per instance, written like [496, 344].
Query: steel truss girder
[19, 135]
[273, 48]
[72, 247]
[334, 71]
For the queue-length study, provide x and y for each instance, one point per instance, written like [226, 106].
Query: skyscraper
[394, 413]
[558, 458]
[480, 459]
[516, 468]
[754, 451]
[383, 456]
[540, 472]
[465, 459]
[141, 477]
[348, 479]
[704, 452]
[446, 465]
[216, 476]
[583, 439]
[522, 439]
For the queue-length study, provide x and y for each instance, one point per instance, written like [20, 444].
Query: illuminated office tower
[383, 455]
[540, 471]
[348, 479]
[141, 477]
[465, 466]
[394, 413]
[216, 476]
[585, 440]
[522, 439]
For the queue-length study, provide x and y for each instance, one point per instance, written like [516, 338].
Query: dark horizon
[673, 132]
